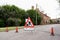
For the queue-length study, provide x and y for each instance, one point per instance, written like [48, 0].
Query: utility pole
[36, 14]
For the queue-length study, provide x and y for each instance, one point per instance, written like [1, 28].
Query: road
[41, 32]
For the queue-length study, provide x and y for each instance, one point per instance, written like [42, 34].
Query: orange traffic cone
[6, 29]
[16, 29]
[52, 31]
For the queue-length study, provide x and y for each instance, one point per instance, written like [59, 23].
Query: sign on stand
[28, 24]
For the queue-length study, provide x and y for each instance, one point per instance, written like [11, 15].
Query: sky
[50, 7]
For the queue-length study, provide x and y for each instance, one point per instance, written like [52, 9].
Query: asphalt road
[41, 32]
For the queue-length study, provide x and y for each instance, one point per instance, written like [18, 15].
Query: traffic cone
[16, 29]
[6, 29]
[52, 31]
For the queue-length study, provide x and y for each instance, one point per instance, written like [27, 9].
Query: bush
[2, 23]
[51, 22]
[13, 22]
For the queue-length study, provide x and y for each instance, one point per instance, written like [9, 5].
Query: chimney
[32, 7]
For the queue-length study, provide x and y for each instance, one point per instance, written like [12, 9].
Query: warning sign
[28, 25]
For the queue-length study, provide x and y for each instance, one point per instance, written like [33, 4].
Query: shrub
[2, 23]
[13, 22]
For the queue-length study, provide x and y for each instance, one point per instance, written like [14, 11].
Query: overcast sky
[48, 6]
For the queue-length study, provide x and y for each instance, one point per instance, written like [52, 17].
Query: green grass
[10, 28]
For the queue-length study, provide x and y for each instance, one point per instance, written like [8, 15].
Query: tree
[51, 21]
[12, 11]
[32, 15]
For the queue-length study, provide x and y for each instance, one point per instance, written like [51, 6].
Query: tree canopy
[11, 15]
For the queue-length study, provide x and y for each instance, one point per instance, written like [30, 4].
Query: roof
[42, 13]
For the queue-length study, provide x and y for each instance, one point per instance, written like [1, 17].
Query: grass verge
[10, 28]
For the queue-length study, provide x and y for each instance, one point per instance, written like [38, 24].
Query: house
[55, 21]
[45, 18]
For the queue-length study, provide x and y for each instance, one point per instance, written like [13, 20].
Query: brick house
[45, 18]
